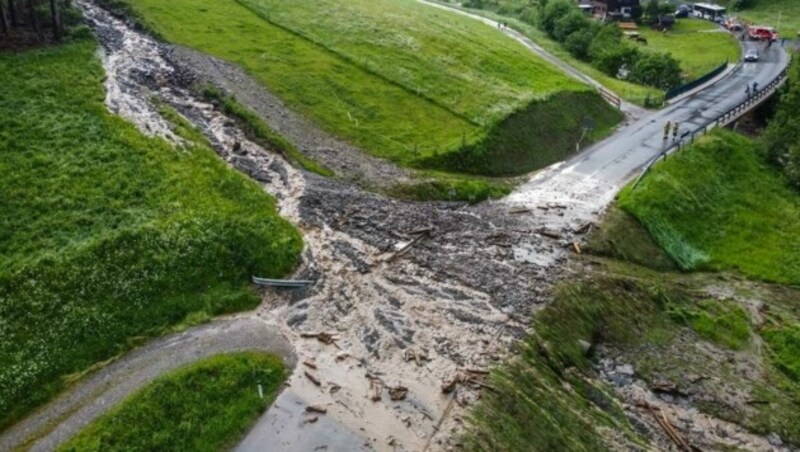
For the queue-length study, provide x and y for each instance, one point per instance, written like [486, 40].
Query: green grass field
[400, 79]
[108, 237]
[718, 206]
[783, 14]
[521, 14]
[206, 406]
[699, 45]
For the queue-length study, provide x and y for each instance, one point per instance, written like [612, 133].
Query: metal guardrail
[675, 92]
[288, 283]
[720, 121]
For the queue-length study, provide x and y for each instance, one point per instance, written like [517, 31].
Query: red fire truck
[761, 33]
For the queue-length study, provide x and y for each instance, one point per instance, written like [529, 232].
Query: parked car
[683, 11]
[751, 55]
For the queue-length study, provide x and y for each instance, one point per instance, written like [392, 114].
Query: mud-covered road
[403, 324]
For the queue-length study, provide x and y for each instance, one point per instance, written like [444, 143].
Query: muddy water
[396, 323]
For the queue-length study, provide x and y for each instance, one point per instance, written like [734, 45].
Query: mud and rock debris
[448, 302]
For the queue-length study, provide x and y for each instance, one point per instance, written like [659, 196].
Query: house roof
[711, 7]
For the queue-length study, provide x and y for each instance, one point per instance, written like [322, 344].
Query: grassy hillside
[107, 236]
[768, 12]
[522, 16]
[718, 206]
[699, 45]
[515, 146]
[670, 327]
[402, 80]
[206, 406]
[691, 43]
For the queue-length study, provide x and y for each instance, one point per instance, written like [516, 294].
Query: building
[611, 9]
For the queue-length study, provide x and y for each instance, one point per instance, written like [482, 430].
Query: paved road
[76, 408]
[590, 180]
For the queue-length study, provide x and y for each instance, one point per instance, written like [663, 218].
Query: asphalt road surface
[589, 181]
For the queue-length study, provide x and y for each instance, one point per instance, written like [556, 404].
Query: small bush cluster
[602, 45]
[782, 138]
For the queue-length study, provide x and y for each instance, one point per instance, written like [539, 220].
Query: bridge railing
[721, 120]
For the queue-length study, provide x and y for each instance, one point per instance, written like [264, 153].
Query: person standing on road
[667, 127]
[747, 91]
[675, 128]
[755, 88]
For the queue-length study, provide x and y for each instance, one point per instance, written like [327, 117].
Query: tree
[33, 16]
[55, 15]
[12, 13]
[4, 25]
[552, 12]
[613, 58]
[566, 25]
[579, 42]
[659, 70]
[636, 13]
[652, 9]
[782, 137]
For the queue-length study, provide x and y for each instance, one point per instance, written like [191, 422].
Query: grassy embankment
[700, 46]
[718, 206]
[422, 87]
[718, 200]
[108, 237]
[206, 406]
[521, 16]
[770, 12]
[432, 184]
[696, 48]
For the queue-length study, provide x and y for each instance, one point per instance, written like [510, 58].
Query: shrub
[615, 57]
[783, 132]
[578, 43]
[552, 12]
[656, 69]
[568, 24]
